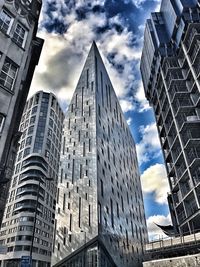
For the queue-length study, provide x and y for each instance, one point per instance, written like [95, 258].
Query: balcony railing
[195, 51]
[176, 152]
[170, 63]
[174, 90]
[197, 68]
[181, 102]
[193, 154]
[190, 134]
[188, 41]
[186, 187]
[181, 216]
[196, 175]
[180, 170]
[184, 118]
[191, 207]
[174, 76]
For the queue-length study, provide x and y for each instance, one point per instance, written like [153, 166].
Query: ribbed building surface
[99, 191]
[19, 54]
[37, 161]
[170, 68]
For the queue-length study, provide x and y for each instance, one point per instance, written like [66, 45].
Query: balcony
[193, 153]
[181, 101]
[180, 169]
[191, 205]
[177, 88]
[187, 118]
[174, 75]
[193, 32]
[186, 187]
[173, 181]
[190, 84]
[170, 168]
[196, 175]
[181, 216]
[176, 150]
[196, 67]
[195, 52]
[30, 190]
[162, 98]
[27, 205]
[191, 137]
[169, 64]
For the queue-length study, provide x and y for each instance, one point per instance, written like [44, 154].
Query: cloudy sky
[117, 26]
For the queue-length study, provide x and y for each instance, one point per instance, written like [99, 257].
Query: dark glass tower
[170, 68]
[99, 200]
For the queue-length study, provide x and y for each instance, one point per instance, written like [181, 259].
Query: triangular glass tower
[100, 217]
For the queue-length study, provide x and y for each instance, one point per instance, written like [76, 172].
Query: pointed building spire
[98, 162]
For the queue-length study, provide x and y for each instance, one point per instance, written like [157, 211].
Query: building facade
[30, 210]
[170, 67]
[99, 191]
[19, 54]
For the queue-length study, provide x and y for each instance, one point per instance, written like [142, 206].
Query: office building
[100, 211]
[19, 54]
[170, 68]
[30, 210]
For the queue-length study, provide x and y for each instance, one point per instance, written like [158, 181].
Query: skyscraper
[30, 210]
[99, 200]
[19, 54]
[170, 68]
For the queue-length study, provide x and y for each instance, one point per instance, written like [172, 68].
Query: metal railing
[167, 242]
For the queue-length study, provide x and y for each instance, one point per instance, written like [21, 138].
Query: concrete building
[19, 54]
[29, 216]
[99, 200]
[170, 67]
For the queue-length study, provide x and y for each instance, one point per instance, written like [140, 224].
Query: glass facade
[94, 255]
[171, 83]
[99, 190]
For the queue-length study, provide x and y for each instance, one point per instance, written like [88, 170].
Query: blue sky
[117, 26]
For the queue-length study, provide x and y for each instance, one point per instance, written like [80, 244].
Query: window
[30, 129]
[29, 140]
[8, 74]
[32, 120]
[34, 110]
[5, 21]
[27, 151]
[19, 35]
[2, 119]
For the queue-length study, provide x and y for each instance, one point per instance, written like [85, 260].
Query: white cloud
[149, 146]
[138, 3]
[54, 70]
[63, 55]
[127, 104]
[154, 180]
[141, 98]
[153, 230]
[129, 121]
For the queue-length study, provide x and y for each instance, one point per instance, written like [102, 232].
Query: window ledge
[17, 44]
[6, 89]
[4, 32]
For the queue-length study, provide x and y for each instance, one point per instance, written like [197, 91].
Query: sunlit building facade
[30, 208]
[20, 50]
[170, 67]
[99, 198]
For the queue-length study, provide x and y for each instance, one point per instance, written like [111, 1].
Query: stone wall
[186, 261]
